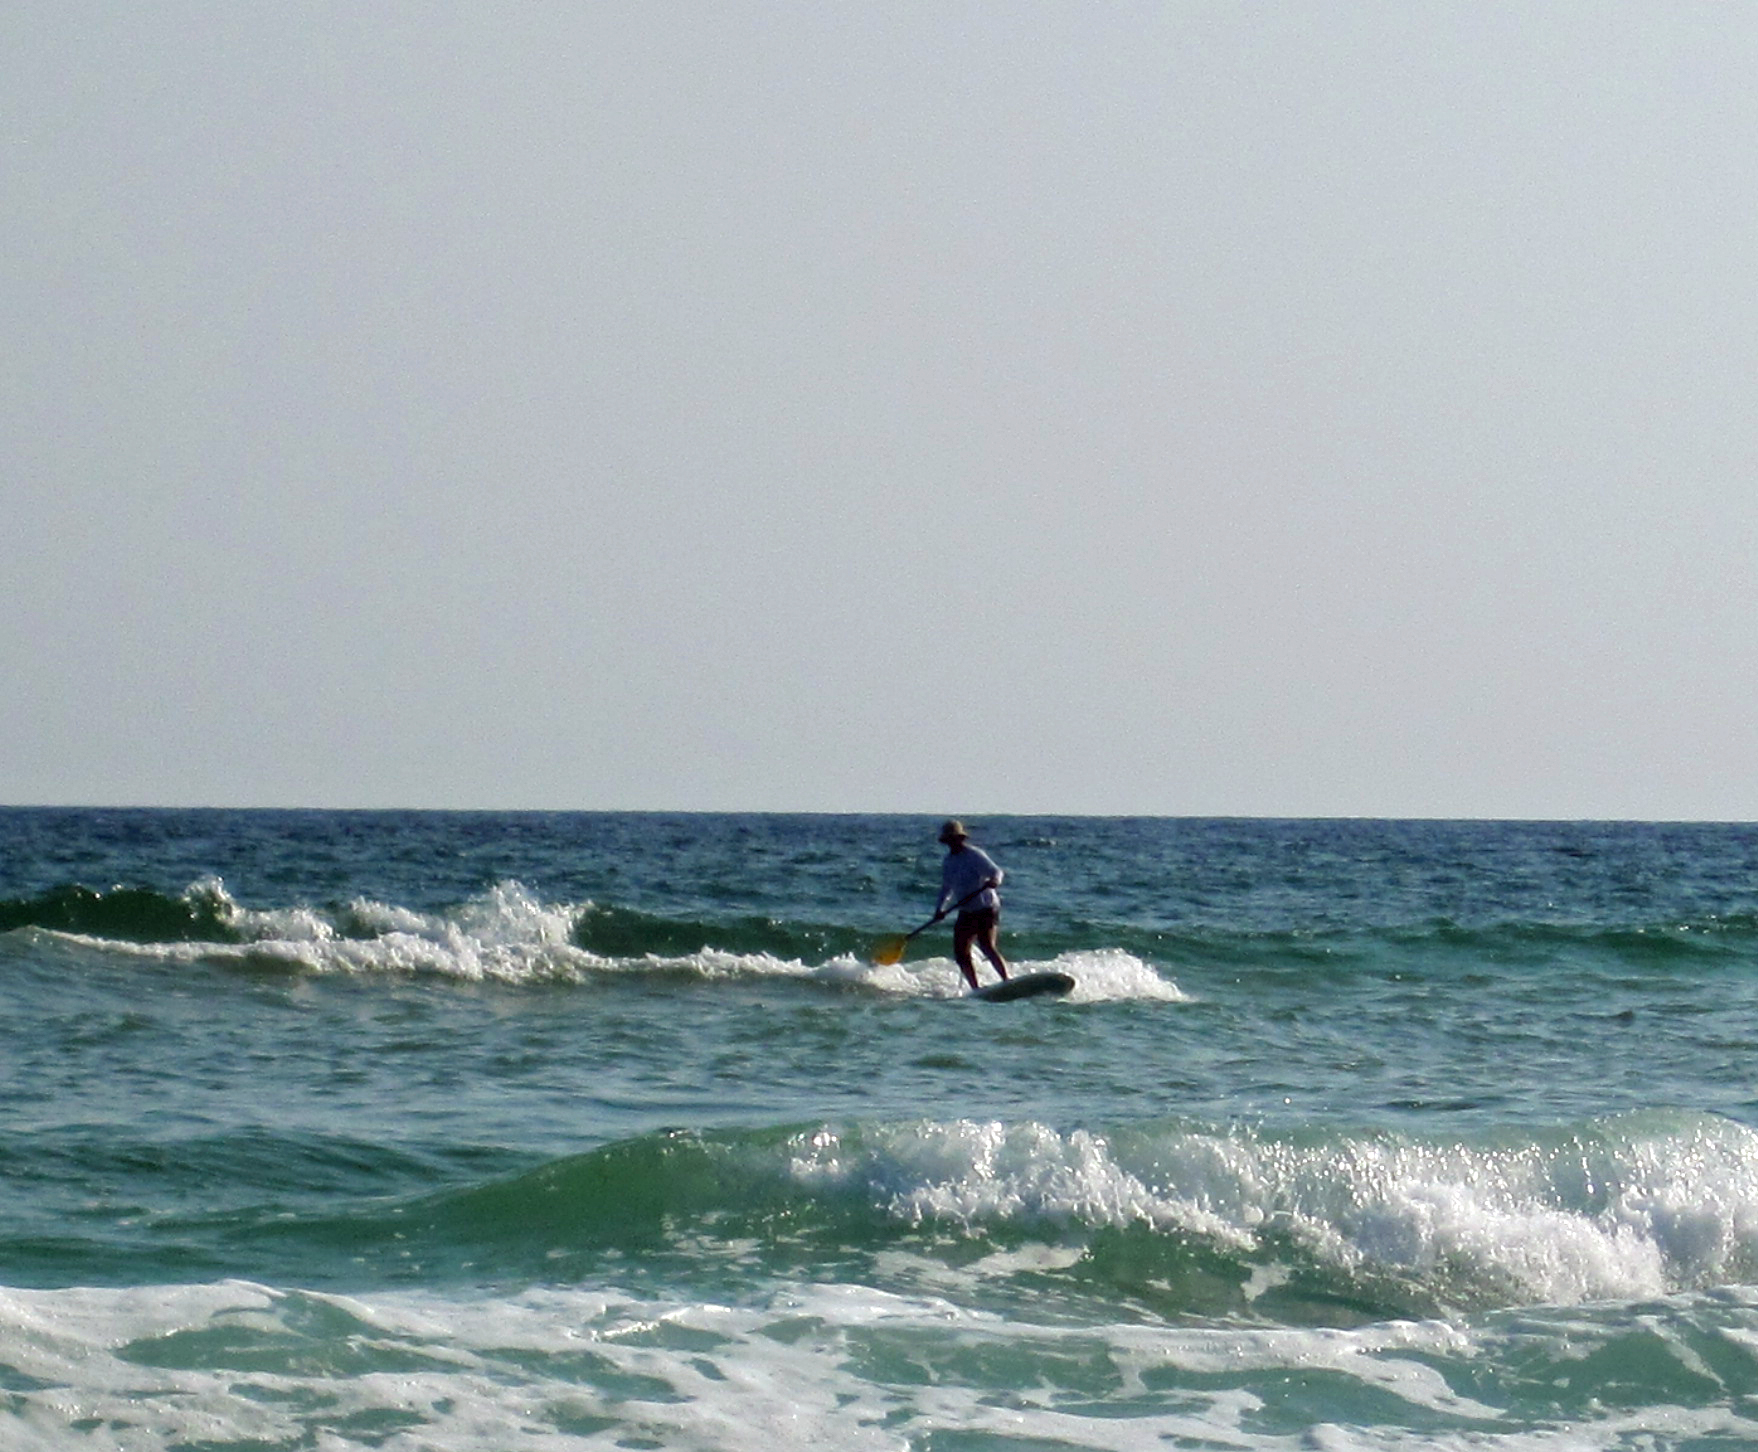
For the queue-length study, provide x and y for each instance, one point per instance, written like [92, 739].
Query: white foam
[1106, 975]
[1485, 1226]
[504, 934]
[540, 1371]
[794, 1366]
[507, 935]
[975, 1171]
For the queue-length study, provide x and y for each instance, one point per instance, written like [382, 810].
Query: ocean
[505, 1131]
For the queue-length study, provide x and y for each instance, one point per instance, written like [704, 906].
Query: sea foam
[1636, 1207]
[807, 1366]
[507, 934]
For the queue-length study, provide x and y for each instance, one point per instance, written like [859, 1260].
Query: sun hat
[952, 830]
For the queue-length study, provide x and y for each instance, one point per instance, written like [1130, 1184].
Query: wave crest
[507, 934]
[1331, 1228]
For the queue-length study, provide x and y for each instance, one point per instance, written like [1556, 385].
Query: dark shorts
[973, 921]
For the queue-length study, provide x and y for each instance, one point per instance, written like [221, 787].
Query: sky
[1190, 408]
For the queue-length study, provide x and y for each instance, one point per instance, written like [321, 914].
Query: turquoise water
[484, 1131]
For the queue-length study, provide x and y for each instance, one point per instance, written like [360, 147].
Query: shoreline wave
[1177, 1220]
[1296, 1226]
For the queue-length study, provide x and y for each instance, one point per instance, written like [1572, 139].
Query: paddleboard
[1024, 985]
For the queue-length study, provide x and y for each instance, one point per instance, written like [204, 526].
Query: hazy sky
[1245, 408]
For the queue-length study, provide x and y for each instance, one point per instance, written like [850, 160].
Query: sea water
[486, 1131]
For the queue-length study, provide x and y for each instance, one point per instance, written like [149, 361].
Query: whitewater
[547, 1130]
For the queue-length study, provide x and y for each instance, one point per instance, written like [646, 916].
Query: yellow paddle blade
[890, 951]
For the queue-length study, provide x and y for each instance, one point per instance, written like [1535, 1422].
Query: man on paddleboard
[968, 879]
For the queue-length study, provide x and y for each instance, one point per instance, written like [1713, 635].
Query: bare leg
[979, 928]
[986, 940]
[963, 932]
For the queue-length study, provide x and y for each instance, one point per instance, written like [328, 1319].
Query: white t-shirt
[962, 873]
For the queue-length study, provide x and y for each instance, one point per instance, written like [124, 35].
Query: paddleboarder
[970, 873]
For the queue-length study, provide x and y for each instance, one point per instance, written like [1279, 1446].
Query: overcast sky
[1186, 408]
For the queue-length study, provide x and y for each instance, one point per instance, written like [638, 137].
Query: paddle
[892, 949]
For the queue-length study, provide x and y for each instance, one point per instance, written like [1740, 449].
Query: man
[968, 879]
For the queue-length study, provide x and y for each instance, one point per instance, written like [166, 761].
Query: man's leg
[988, 934]
[963, 931]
